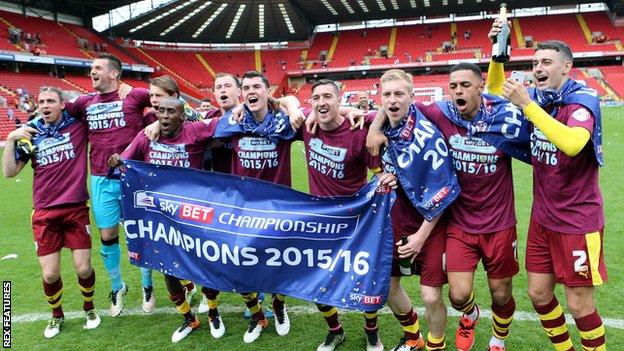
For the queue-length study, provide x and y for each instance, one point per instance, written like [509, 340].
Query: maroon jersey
[486, 201]
[60, 168]
[566, 193]
[221, 156]
[261, 158]
[185, 150]
[337, 160]
[113, 123]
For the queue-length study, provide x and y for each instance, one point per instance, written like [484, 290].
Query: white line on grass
[521, 316]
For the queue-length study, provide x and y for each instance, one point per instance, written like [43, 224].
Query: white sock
[474, 315]
[494, 341]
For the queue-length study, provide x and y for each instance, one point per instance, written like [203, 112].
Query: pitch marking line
[521, 316]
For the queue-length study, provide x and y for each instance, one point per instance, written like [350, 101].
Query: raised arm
[569, 139]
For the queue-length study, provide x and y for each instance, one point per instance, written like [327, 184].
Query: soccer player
[61, 216]
[337, 162]
[227, 91]
[181, 144]
[482, 220]
[564, 243]
[273, 164]
[113, 123]
[425, 239]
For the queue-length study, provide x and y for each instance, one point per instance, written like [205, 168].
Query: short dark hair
[254, 74]
[206, 99]
[223, 74]
[558, 46]
[114, 62]
[326, 82]
[467, 66]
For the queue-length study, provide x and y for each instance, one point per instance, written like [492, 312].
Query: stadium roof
[252, 21]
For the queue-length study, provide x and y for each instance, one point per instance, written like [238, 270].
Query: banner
[240, 234]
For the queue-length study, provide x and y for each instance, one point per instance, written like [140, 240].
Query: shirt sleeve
[76, 107]
[137, 148]
[581, 117]
[204, 131]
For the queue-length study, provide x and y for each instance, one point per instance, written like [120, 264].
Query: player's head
[105, 73]
[465, 87]
[255, 87]
[363, 99]
[396, 94]
[326, 102]
[205, 105]
[170, 115]
[227, 90]
[162, 87]
[51, 104]
[552, 63]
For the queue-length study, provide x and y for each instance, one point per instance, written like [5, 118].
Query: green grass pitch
[133, 331]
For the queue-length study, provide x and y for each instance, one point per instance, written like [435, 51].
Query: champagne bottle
[501, 50]
[405, 264]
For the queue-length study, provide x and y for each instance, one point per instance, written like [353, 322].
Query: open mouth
[394, 109]
[461, 102]
[95, 79]
[46, 113]
[323, 110]
[223, 97]
[252, 100]
[165, 124]
[541, 79]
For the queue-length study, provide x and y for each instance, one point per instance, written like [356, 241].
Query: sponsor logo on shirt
[326, 159]
[105, 115]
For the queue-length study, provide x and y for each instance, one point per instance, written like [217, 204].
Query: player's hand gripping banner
[242, 235]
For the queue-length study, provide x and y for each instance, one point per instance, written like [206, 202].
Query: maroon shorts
[429, 264]
[61, 226]
[575, 259]
[497, 250]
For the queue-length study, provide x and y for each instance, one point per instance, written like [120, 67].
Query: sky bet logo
[175, 209]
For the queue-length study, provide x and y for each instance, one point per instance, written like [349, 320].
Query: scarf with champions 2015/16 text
[422, 164]
[45, 131]
[498, 122]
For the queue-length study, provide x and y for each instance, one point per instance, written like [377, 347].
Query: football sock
[54, 295]
[87, 288]
[554, 324]
[111, 254]
[468, 307]
[434, 343]
[592, 332]
[251, 301]
[502, 316]
[278, 302]
[211, 295]
[409, 324]
[370, 321]
[146, 277]
[330, 314]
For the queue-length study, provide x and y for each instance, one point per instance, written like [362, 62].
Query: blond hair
[398, 74]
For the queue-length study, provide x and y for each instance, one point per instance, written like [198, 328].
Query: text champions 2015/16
[237, 255]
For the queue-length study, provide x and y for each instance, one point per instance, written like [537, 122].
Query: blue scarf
[574, 93]
[275, 126]
[46, 131]
[499, 122]
[426, 174]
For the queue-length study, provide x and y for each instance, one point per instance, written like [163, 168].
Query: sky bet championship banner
[241, 235]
